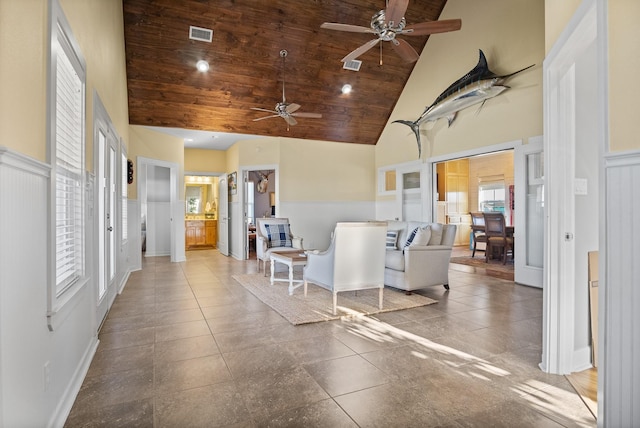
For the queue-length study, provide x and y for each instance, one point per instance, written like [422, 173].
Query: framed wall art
[232, 179]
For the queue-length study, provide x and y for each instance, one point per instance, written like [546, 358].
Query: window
[491, 194]
[387, 180]
[123, 183]
[66, 145]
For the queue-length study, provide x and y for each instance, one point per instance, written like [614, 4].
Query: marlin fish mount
[477, 86]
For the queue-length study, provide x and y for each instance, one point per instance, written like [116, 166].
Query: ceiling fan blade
[290, 120]
[311, 115]
[264, 109]
[362, 49]
[433, 27]
[346, 27]
[266, 117]
[405, 50]
[395, 11]
[292, 107]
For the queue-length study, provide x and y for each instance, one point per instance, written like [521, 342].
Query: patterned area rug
[494, 268]
[317, 306]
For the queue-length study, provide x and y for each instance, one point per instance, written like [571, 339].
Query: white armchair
[274, 234]
[353, 261]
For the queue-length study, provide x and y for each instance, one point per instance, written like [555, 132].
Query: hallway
[185, 345]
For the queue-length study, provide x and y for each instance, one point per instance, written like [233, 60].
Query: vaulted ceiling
[246, 69]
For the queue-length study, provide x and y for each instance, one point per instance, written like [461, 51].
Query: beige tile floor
[186, 346]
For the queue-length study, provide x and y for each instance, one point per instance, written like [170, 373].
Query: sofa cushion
[422, 237]
[436, 233]
[411, 236]
[278, 235]
[394, 259]
[392, 240]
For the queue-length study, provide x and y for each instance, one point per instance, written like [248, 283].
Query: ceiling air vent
[201, 34]
[353, 65]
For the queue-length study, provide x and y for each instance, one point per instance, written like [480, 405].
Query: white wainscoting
[26, 344]
[619, 294]
[314, 221]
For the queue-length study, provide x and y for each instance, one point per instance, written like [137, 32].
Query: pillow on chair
[411, 237]
[392, 240]
[422, 237]
[278, 235]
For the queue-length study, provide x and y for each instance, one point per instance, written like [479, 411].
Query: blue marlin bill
[477, 86]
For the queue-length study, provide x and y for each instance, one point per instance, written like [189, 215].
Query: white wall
[27, 398]
[314, 221]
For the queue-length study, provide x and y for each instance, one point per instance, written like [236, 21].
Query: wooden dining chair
[496, 230]
[477, 219]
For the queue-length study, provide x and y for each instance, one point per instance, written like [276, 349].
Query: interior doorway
[259, 201]
[161, 213]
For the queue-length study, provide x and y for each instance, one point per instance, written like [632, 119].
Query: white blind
[123, 184]
[69, 164]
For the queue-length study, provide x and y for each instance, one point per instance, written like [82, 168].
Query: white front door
[106, 200]
[529, 213]
[223, 216]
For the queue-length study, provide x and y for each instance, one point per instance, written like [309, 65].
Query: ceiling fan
[389, 23]
[283, 109]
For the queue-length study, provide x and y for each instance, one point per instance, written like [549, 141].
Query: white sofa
[418, 266]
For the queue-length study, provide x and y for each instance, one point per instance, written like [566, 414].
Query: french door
[106, 196]
[529, 213]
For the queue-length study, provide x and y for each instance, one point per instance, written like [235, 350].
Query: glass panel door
[529, 214]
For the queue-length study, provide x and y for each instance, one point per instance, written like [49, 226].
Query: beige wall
[326, 171]
[97, 25]
[155, 145]
[23, 71]
[624, 63]
[511, 39]
[311, 170]
[201, 160]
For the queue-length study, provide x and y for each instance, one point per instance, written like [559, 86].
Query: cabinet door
[190, 236]
[210, 233]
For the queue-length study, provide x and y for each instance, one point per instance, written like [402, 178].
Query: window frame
[61, 37]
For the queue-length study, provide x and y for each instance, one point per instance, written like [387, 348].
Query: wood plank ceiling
[166, 90]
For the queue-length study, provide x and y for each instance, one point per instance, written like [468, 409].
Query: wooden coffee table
[291, 259]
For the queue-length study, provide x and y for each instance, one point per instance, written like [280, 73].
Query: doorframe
[244, 172]
[432, 161]
[177, 207]
[102, 122]
[559, 152]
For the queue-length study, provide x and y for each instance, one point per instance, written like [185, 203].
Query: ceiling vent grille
[201, 34]
[353, 65]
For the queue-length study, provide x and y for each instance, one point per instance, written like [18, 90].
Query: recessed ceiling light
[346, 88]
[202, 65]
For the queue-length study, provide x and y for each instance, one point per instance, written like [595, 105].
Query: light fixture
[346, 88]
[202, 65]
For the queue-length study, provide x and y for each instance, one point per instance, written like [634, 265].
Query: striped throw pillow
[392, 240]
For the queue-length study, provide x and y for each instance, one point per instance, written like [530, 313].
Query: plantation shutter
[68, 172]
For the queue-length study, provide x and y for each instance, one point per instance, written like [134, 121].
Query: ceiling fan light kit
[202, 66]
